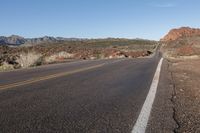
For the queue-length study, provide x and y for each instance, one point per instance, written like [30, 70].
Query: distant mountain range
[18, 40]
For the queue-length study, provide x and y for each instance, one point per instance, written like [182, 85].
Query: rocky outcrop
[175, 34]
[12, 40]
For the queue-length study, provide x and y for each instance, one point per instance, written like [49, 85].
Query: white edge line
[142, 121]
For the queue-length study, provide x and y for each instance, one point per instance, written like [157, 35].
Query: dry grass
[28, 59]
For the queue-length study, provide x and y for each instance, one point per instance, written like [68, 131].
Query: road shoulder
[161, 119]
[186, 77]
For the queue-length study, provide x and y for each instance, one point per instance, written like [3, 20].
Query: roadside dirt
[24, 57]
[186, 98]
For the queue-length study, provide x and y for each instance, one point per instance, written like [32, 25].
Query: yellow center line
[3, 87]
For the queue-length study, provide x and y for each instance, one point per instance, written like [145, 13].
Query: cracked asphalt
[162, 119]
[107, 99]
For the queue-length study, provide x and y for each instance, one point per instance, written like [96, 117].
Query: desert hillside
[175, 34]
[183, 42]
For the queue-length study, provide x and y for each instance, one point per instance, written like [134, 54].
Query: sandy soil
[186, 77]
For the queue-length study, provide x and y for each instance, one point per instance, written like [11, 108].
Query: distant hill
[182, 32]
[12, 40]
[18, 40]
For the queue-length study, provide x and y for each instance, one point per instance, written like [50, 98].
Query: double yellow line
[3, 87]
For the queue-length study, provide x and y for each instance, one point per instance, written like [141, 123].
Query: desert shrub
[6, 66]
[28, 59]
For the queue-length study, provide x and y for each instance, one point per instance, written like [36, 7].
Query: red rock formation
[174, 34]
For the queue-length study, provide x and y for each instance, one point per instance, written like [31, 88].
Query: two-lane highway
[87, 96]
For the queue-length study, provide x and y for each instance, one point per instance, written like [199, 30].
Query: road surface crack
[172, 99]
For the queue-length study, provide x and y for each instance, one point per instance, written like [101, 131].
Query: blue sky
[149, 19]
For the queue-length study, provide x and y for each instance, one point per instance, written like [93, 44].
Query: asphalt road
[82, 97]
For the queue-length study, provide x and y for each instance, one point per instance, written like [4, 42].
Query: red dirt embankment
[182, 43]
[175, 34]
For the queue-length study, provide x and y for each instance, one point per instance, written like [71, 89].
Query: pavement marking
[3, 87]
[142, 121]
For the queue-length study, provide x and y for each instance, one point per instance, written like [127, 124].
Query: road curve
[102, 99]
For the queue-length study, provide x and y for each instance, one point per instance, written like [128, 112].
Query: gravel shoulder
[161, 119]
[186, 98]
